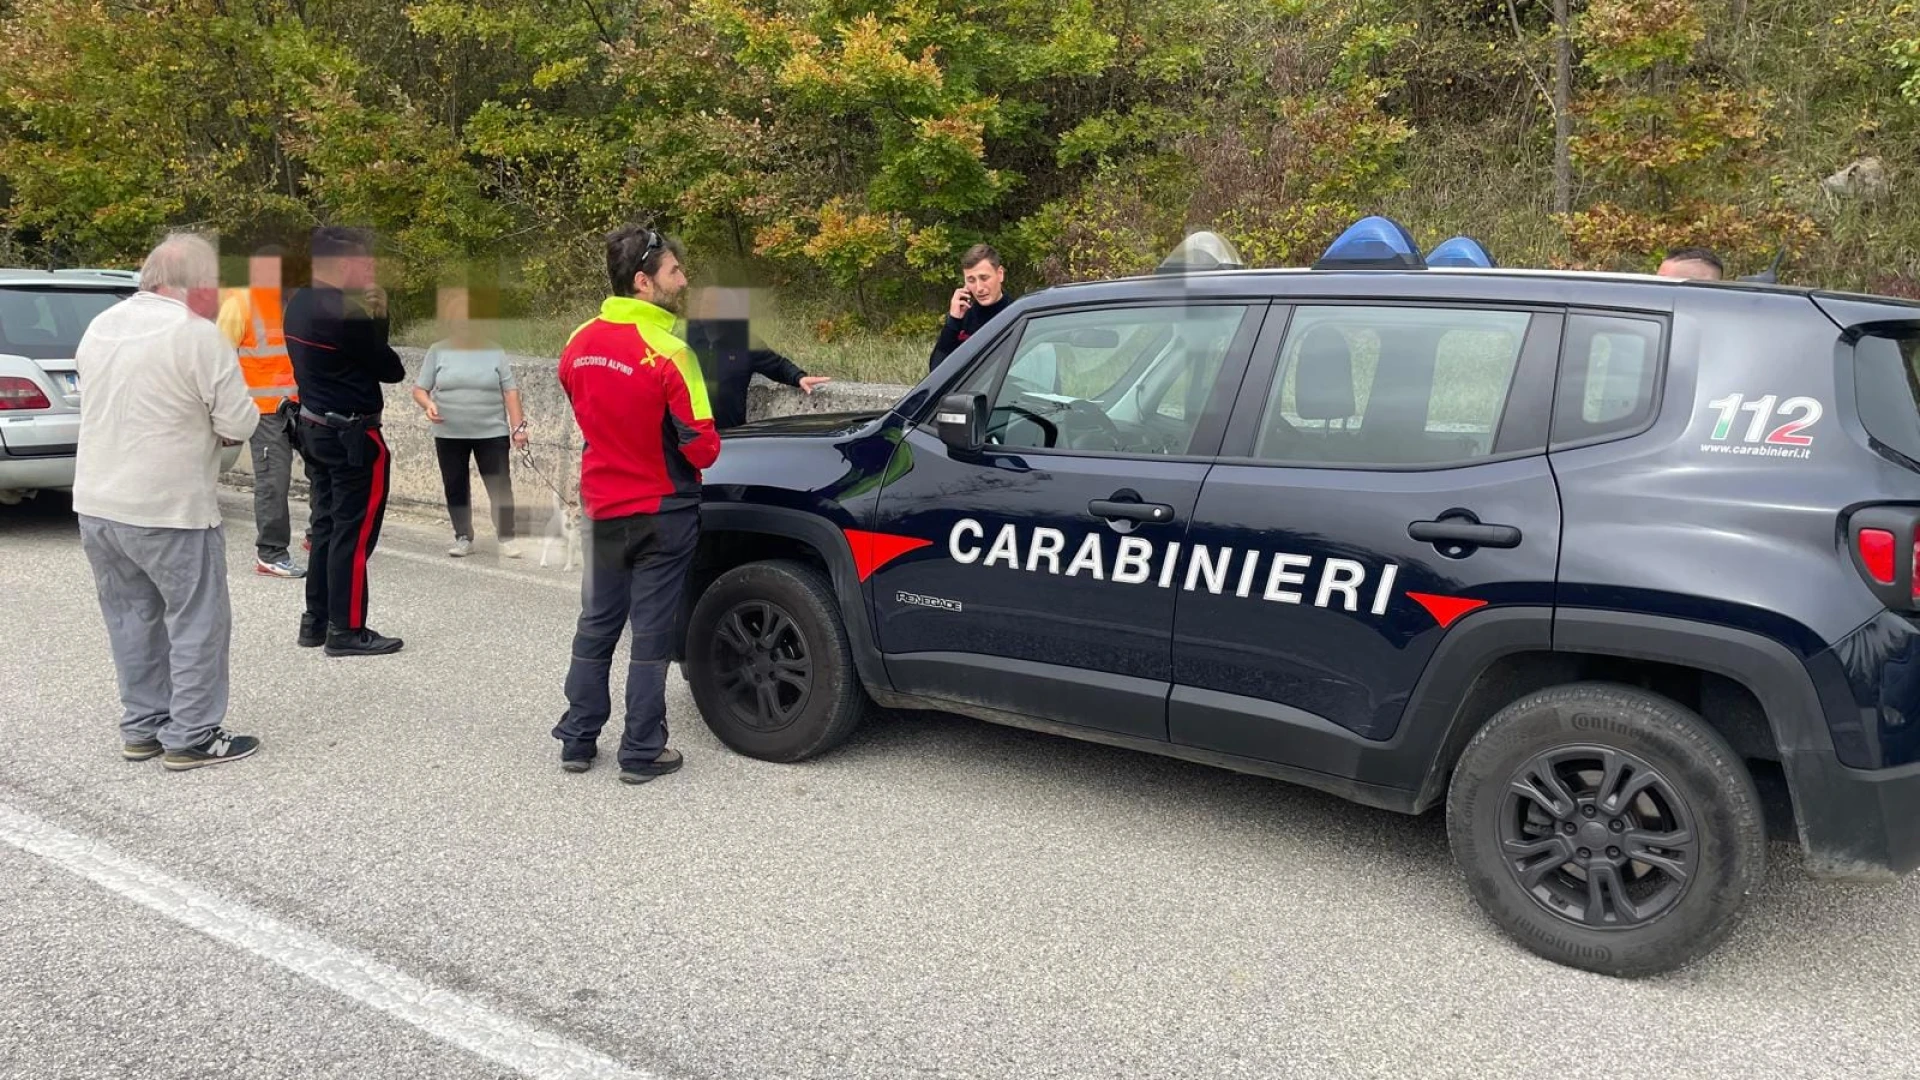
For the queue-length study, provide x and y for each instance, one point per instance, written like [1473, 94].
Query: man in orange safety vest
[250, 318]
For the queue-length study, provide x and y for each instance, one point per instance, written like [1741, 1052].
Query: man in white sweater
[162, 387]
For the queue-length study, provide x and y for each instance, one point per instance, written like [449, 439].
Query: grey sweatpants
[272, 449]
[163, 593]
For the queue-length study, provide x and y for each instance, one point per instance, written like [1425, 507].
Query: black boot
[361, 642]
[313, 630]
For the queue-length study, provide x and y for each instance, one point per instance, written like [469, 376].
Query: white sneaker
[462, 547]
[511, 549]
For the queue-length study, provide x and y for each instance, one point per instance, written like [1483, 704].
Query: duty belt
[342, 421]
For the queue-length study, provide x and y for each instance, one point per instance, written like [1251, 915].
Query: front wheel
[769, 663]
[1607, 828]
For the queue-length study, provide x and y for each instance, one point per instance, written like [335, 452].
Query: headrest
[1323, 383]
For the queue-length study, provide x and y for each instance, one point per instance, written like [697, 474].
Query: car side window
[1609, 374]
[1391, 386]
[1131, 380]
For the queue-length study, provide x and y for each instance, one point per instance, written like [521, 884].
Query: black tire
[1695, 817]
[785, 615]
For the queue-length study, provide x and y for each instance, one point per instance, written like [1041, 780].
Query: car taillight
[1876, 554]
[19, 393]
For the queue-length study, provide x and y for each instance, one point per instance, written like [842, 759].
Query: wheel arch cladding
[734, 534]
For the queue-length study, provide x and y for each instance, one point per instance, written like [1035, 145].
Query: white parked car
[42, 316]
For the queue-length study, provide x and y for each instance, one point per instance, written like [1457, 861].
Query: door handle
[1460, 532]
[1115, 510]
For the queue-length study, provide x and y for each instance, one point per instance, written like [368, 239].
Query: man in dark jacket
[975, 303]
[336, 335]
[718, 334]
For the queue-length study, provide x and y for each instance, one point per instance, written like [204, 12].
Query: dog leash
[526, 456]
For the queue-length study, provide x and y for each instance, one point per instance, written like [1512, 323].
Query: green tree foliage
[854, 148]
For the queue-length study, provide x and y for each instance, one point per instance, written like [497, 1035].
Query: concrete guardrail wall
[554, 441]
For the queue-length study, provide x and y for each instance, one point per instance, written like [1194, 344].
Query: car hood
[817, 424]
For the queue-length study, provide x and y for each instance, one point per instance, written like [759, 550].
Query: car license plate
[72, 379]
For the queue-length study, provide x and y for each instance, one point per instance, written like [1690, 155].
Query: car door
[1384, 478]
[1032, 576]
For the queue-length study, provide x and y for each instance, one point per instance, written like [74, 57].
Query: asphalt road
[940, 898]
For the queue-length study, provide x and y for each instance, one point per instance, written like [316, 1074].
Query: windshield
[1887, 389]
[46, 323]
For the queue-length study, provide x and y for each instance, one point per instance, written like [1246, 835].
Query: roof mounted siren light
[1201, 251]
[1372, 243]
[1461, 251]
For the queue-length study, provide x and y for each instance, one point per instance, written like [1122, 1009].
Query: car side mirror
[961, 420]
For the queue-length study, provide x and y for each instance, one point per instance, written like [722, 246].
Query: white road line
[445, 1015]
[569, 583]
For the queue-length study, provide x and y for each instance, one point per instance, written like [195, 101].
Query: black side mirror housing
[961, 420]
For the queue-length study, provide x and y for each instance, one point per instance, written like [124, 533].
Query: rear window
[46, 324]
[1887, 389]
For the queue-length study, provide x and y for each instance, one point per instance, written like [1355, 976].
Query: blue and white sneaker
[281, 568]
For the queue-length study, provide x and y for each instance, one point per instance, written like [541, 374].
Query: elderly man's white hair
[182, 261]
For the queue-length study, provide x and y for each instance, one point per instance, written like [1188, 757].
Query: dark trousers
[491, 456]
[636, 574]
[349, 471]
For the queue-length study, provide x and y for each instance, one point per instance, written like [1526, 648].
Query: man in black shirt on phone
[975, 303]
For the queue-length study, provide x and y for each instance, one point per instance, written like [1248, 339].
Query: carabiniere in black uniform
[340, 358]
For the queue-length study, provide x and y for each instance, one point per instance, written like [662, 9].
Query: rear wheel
[769, 663]
[1607, 828]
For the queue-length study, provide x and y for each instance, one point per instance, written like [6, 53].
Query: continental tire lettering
[1602, 722]
[1585, 952]
[962, 527]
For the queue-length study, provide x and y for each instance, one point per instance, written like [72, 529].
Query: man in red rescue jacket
[641, 404]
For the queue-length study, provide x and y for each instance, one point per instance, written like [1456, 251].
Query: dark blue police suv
[1591, 559]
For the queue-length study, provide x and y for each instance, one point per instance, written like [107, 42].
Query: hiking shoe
[577, 757]
[668, 761]
[313, 630]
[141, 751]
[511, 549]
[281, 568]
[361, 642]
[462, 547]
[217, 750]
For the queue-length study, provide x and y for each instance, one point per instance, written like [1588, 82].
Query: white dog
[563, 527]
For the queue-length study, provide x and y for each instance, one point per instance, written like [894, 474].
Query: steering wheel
[1103, 426]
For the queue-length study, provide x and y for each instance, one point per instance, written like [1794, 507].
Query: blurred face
[984, 281]
[350, 273]
[454, 306]
[263, 271]
[1689, 268]
[667, 287]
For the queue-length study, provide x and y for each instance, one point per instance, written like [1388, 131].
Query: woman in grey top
[466, 387]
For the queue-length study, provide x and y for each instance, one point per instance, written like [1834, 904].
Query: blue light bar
[1372, 243]
[1460, 251]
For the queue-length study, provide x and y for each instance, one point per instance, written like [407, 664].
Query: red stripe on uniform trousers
[374, 497]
